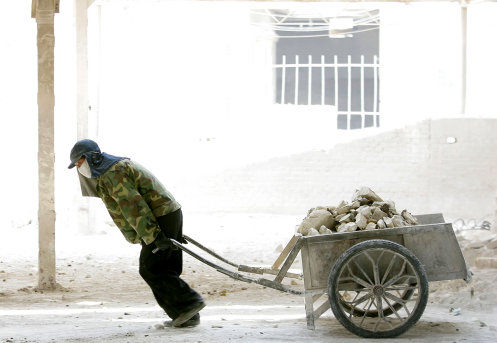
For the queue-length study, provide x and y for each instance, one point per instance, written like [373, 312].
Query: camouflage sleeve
[131, 209]
[115, 213]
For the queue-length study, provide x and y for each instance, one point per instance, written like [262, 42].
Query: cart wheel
[378, 289]
[360, 312]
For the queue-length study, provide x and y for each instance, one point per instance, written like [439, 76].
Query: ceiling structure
[335, 23]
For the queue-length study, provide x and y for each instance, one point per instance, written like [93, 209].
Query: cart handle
[241, 267]
[235, 275]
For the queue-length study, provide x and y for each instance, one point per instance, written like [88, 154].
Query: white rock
[366, 192]
[312, 232]
[381, 224]
[391, 204]
[388, 222]
[365, 210]
[343, 209]
[346, 218]
[370, 226]
[410, 219]
[398, 221]
[316, 218]
[355, 204]
[323, 230]
[361, 221]
[347, 227]
[378, 214]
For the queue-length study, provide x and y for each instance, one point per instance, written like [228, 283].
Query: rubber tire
[359, 248]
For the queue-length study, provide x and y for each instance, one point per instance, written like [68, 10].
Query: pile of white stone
[366, 211]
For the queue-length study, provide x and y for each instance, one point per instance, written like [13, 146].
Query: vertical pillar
[81, 14]
[85, 213]
[464, 34]
[494, 224]
[43, 11]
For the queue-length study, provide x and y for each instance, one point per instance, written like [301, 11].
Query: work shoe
[193, 321]
[185, 316]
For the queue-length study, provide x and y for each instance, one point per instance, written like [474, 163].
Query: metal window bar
[375, 96]
[283, 79]
[297, 64]
[349, 90]
[309, 81]
[335, 67]
[363, 118]
[322, 80]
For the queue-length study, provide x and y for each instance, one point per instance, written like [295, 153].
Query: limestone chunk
[382, 205]
[347, 218]
[356, 204]
[343, 209]
[366, 192]
[361, 221]
[364, 201]
[370, 226]
[365, 211]
[378, 214]
[381, 224]
[347, 227]
[391, 204]
[410, 219]
[323, 230]
[312, 232]
[398, 221]
[316, 218]
[388, 222]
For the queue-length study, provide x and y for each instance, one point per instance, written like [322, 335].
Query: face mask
[84, 169]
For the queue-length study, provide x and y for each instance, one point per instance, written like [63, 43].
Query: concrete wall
[414, 166]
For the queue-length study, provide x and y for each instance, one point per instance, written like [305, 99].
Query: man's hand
[163, 243]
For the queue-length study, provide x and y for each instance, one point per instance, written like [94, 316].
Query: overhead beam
[302, 1]
[43, 11]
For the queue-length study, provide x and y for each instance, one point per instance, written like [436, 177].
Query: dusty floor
[102, 297]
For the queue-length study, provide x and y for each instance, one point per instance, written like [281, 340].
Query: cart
[375, 282]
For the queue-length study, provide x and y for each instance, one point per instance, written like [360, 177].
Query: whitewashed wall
[415, 166]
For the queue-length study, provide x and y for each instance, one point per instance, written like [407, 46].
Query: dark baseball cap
[80, 148]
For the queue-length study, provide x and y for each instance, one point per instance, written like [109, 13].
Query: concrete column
[81, 14]
[464, 35]
[43, 11]
[494, 224]
[86, 218]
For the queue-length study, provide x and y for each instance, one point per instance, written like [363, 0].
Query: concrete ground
[102, 298]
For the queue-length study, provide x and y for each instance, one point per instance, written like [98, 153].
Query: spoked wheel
[377, 289]
[359, 311]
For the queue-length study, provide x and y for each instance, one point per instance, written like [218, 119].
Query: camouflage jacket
[134, 198]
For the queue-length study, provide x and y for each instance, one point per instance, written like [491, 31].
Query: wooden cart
[375, 282]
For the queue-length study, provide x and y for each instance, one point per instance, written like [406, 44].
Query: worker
[147, 214]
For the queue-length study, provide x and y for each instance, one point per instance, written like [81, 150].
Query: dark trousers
[162, 270]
